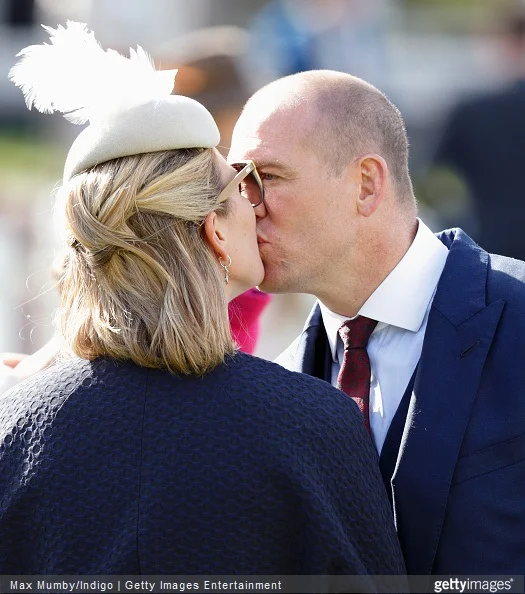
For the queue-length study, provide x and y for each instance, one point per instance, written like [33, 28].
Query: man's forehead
[243, 147]
[262, 133]
[266, 107]
[252, 137]
[264, 150]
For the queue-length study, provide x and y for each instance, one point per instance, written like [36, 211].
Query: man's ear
[372, 172]
[214, 234]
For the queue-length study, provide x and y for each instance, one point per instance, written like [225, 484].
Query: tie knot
[355, 333]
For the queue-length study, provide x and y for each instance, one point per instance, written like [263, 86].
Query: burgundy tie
[354, 375]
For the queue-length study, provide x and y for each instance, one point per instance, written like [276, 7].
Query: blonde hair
[140, 282]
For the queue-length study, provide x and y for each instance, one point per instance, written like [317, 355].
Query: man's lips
[260, 240]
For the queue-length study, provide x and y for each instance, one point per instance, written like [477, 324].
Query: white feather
[75, 76]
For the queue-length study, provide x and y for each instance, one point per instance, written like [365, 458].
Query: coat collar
[456, 299]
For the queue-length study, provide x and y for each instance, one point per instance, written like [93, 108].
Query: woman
[153, 446]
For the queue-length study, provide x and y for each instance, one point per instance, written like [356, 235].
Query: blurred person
[153, 446]
[209, 70]
[19, 13]
[209, 63]
[483, 141]
[426, 333]
[289, 36]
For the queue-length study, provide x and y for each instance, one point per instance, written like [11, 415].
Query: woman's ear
[214, 234]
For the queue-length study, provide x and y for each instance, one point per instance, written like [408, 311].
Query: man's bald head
[344, 118]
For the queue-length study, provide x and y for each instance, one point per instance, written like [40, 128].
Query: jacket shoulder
[76, 387]
[503, 269]
[277, 389]
[506, 281]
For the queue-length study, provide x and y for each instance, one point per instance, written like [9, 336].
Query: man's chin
[271, 285]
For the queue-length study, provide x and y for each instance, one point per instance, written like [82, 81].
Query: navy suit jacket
[458, 484]
[111, 468]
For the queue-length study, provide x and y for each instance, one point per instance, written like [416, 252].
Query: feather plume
[75, 76]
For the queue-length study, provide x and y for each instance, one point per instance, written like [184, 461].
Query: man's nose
[260, 210]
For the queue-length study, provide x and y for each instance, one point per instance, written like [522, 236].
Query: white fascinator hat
[128, 104]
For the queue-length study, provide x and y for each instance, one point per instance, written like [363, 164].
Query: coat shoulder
[506, 278]
[270, 385]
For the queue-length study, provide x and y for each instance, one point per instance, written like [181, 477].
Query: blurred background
[455, 69]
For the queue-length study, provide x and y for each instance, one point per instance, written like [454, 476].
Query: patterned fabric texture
[107, 467]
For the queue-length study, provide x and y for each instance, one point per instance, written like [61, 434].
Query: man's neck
[347, 292]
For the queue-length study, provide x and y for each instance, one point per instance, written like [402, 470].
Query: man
[444, 372]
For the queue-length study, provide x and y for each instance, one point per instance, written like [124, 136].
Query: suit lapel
[459, 334]
[311, 354]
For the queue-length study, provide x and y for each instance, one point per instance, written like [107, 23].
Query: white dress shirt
[401, 305]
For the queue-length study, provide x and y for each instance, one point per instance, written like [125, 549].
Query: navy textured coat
[107, 467]
[458, 487]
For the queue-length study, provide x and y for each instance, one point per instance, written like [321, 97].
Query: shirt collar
[402, 299]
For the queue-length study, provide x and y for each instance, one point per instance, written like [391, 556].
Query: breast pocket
[490, 459]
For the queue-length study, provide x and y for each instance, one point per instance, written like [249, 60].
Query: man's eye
[268, 176]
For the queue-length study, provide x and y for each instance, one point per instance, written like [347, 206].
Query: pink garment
[245, 311]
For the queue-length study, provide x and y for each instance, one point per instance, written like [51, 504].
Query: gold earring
[226, 266]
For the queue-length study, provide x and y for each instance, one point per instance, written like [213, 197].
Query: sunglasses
[249, 182]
